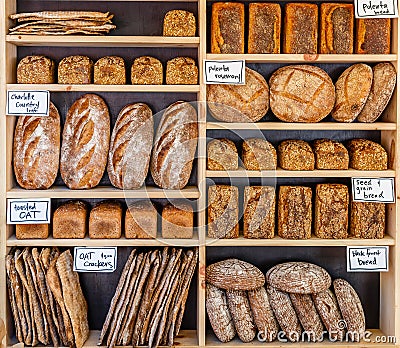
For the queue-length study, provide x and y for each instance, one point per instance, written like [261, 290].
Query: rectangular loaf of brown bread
[70, 220]
[32, 231]
[76, 70]
[105, 220]
[373, 35]
[330, 154]
[109, 70]
[141, 220]
[147, 71]
[367, 220]
[36, 69]
[177, 221]
[181, 71]
[222, 154]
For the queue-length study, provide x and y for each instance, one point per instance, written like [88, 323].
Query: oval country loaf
[298, 277]
[130, 147]
[239, 103]
[36, 150]
[234, 274]
[301, 93]
[382, 88]
[85, 144]
[352, 91]
[174, 146]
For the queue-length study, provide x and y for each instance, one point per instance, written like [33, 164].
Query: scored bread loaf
[105, 220]
[373, 35]
[147, 71]
[296, 155]
[85, 143]
[174, 146]
[75, 70]
[32, 231]
[330, 154]
[130, 147]
[36, 150]
[222, 155]
[177, 220]
[367, 220]
[258, 154]
[70, 220]
[109, 70]
[367, 155]
[181, 71]
[35, 69]
[141, 220]
[179, 23]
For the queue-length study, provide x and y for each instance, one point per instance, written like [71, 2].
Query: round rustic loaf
[234, 274]
[298, 277]
[239, 103]
[352, 90]
[301, 93]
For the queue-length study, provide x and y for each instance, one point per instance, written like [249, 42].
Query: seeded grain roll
[147, 71]
[179, 23]
[367, 220]
[70, 220]
[259, 154]
[296, 155]
[330, 155]
[222, 155]
[36, 69]
[181, 71]
[109, 70]
[367, 155]
[75, 70]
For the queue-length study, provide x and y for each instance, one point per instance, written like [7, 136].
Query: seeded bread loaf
[141, 220]
[258, 154]
[367, 220]
[105, 220]
[109, 70]
[36, 69]
[32, 231]
[147, 71]
[179, 23]
[177, 221]
[222, 155]
[181, 71]
[373, 35]
[296, 155]
[330, 154]
[76, 70]
[70, 220]
[367, 155]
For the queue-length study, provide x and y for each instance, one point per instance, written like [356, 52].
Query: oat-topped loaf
[147, 71]
[181, 71]
[295, 155]
[222, 155]
[373, 35]
[330, 154]
[258, 154]
[179, 23]
[75, 70]
[105, 220]
[367, 220]
[36, 69]
[367, 155]
[110, 70]
[70, 220]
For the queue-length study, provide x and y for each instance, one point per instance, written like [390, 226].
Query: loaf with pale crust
[222, 155]
[259, 154]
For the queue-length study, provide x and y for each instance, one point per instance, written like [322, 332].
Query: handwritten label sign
[28, 211]
[34, 103]
[102, 259]
[368, 259]
[229, 72]
[379, 190]
[376, 9]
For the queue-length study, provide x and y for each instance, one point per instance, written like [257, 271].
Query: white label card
[368, 259]
[28, 211]
[103, 259]
[229, 72]
[380, 190]
[33, 103]
[376, 8]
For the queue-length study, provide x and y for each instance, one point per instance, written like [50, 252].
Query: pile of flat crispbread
[62, 23]
[46, 298]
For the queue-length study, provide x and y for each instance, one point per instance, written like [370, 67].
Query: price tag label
[376, 8]
[28, 211]
[102, 259]
[33, 103]
[368, 259]
[380, 190]
[229, 72]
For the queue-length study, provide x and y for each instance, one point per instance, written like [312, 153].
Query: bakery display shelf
[106, 88]
[103, 41]
[281, 173]
[306, 58]
[104, 192]
[303, 126]
[313, 241]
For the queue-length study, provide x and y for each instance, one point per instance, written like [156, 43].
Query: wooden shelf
[303, 126]
[313, 241]
[306, 58]
[104, 192]
[281, 173]
[102, 41]
[105, 88]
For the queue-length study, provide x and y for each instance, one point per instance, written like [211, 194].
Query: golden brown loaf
[300, 28]
[35, 69]
[110, 70]
[367, 155]
[174, 146]
[179, 23]
[76, 70]
[177, 220]
[301, 93]
[239, 103]
[36, 150]
[258, 154]
[181, 71]
[85, 143]
[330, 154]
[383, 84]
[105, 220]
[70, 220]
[264, 28]
[367, 220]
[147, 71]
[373, 36]
[222, 155]
[295, 155]
[130, 147]
[337, 26]
[141, 220]
[227, 27]
[352, 91]
[32, 231]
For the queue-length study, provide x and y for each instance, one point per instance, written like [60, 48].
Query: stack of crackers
[62, 23]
